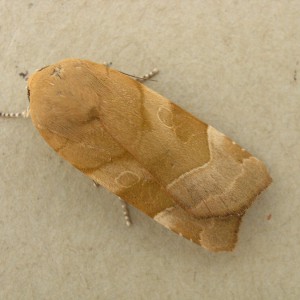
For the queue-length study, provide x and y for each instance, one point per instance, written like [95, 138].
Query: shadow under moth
[154, 155]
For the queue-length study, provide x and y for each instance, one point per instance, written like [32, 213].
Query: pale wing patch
[226, 185]
[165, 116]
[127, 179]
[215, 234]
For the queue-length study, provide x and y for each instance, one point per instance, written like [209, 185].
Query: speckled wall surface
[233, 64]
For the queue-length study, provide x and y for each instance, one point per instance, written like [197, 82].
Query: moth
[154, 155]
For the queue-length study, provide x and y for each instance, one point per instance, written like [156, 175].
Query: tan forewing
[147, 150]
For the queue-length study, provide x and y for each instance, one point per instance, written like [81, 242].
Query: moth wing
[153, 154]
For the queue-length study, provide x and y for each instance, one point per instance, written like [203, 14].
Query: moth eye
[28, 94]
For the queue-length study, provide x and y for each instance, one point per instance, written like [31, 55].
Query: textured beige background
[233, 64]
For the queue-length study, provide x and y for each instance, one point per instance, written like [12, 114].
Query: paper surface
[234, 65]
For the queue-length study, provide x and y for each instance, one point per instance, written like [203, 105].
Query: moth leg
[144, 77]
[148, 75]
[108, 64]
[96, 184]
[24, 114]
[124, 206]
[126, 212]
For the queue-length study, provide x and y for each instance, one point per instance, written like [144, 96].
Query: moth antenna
[126, 212]
[24, 114]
